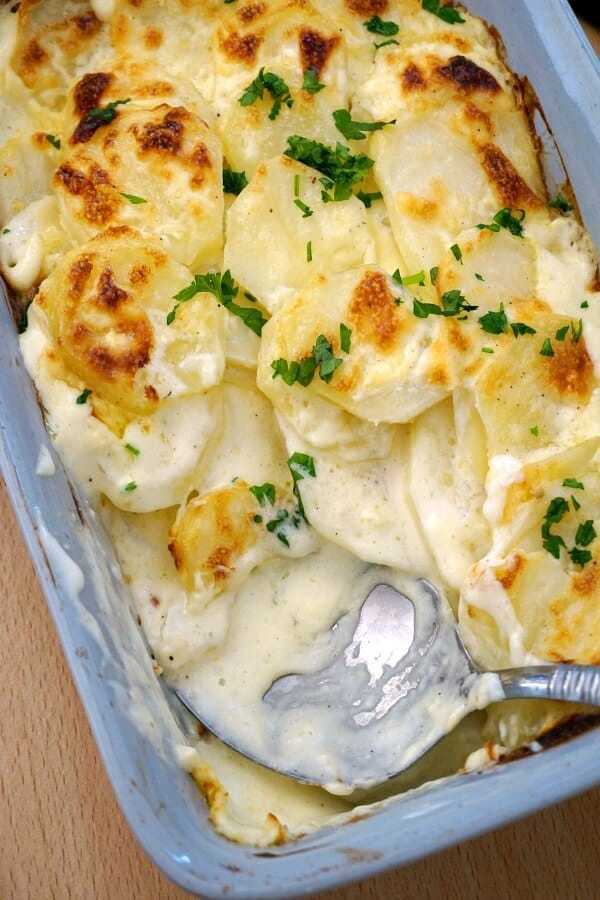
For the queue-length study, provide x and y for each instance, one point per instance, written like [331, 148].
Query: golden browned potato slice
[337, 232]
[107, 304]
[56, 40]
[286, 38]
[157, 169]
[220, 537]
[397, 364]
[535, 595]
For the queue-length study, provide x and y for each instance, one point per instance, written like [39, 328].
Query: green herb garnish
[356, 131]
[309, 251]
[224, 289]
[234, 182]
[304, 209]
[83, 397]
[446, 13]
[107, 113]
[561, 203]
[519, 328]
[494, 322]
[311, 82]
[131, 486]
[52, 139]
[367, 198]
[274, 85]
[345, 335]
[385, 44]
[376, 25]
[133, 450]
[135, 201]
[573, 483]
[456, 252]
[406, 280]
[340, 169]
[301, 466]
[505, 219]
[547, 349]
[264, 493]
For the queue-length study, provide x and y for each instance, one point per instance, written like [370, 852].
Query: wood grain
[63, 836]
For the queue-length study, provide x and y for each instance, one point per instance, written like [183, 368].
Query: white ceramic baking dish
[137, 724]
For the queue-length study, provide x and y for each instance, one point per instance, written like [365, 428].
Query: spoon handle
[578, 684]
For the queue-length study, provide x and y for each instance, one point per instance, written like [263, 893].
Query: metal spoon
[401, 679]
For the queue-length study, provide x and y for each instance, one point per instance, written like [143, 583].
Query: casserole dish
[114, 674]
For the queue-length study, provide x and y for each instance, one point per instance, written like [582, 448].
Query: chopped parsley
[301, 466]
[234, 182]
[311, 82]
[405, 280]
[562, 333]
[23, 320]
[453, 303]
[339, 168]
[456, 252]
[561, 204]
[52, 139]
[274, 85]
[304, 209]
[576, 503]
[584, 305]
[135, 201]
[487, 350]
[356, 131]
[321, 358]
[547, 349]
[446, 13]
[479, 277]
[586, 533]
[131, 486]
[107, 113]
[535, 431]
[573, 483]
[376, 25]
[494, 322]
[83, 397]
[264, 493]
[6, 231]
[224, 289]
[519, 328]
[505, 219]
[309, 251]
[345, 335]
[576, 331]
[367, 198]
[556, 510]
[433, 274]
[580, 557]
[385, 44]
[133, 450]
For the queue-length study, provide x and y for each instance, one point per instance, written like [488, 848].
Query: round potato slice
[372, 355]
[158, 169]
[107, 304]
[283, 208]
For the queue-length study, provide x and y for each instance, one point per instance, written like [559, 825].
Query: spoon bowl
[399, 680]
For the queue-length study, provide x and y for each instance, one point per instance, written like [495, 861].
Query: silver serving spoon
[400, 680]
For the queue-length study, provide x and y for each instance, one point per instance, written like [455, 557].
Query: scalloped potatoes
[383, 350]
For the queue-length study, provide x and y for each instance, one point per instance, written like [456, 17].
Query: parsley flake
[309, 250]
[387, 43]
[6, 231]
[356, 131]
[446, 13]
[586, 533]
[519, 328]
[234, 182]
[311, 82]
[377, 25]
[224, 289]
[561, 204]
[562, 333]
[453, 303]
[83, 397]
[135, 201]
[494, 322]
[106, 114]
[303, 372]
[479, 277]
[131, 486]
[23, 320]
[345, 335]
[340, 169]
[576, 331]
[576, 503]
[573, 483]
[304, 209]
[133, 450]
[417, 278]
[547, 349]
[52, 139]
[264, 493]
[433, 274]
[301, 466]
[580, 557]
[557, 508]
[456, 252]
[487, 350]
[367, 198]
[274, 85]
[505, 219]
[535, 431]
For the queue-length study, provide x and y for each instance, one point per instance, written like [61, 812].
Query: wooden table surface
[62, 834]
